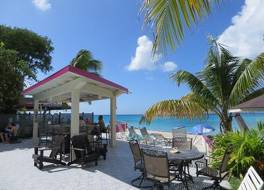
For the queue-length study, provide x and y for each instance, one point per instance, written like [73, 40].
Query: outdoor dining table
[183, 158]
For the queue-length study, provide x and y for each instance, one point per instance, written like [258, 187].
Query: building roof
[69, 73]
[254, 104]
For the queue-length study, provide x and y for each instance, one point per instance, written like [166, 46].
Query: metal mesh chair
[138, 162]
[180, 139]
[157, 168]
[215, 174]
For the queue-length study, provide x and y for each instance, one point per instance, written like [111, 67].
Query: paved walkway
[18, 173]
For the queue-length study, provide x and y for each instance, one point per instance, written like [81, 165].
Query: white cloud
[169, 66]
[43, 5]
[245, 36]
[144, 59]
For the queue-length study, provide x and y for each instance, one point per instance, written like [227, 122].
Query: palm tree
[169, 18]
[84, 61]
[224, 82]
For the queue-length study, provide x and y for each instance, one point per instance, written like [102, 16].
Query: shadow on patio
[21, 144]
[119, 165]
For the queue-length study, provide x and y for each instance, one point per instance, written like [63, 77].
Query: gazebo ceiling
[28, 104]
[58, 87]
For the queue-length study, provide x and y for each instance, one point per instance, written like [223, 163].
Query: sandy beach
[198, 141]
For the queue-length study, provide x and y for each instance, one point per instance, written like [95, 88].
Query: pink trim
[96, 78]
[77, 71]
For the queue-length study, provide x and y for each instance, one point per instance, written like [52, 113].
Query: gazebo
[73, 86]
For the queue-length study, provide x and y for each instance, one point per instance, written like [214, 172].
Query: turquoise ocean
[167, 124]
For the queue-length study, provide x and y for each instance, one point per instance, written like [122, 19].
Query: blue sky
[110, 29]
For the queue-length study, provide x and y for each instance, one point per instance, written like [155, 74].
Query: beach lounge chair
[157, 168]
[83, 150]
[251, 181]
[147, 138]
[215, 174]
[154, 138]
[132, 135]
[56, 148]
[180, 139]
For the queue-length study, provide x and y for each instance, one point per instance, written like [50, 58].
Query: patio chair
[132, 135]
[100, 146]
[138, 163]
[157, 168]
[251, 181]
[56, 149]
[215, 174]
[180, 139]
[83, 150]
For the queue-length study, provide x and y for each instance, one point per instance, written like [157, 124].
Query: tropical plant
[84, 61]
[170, 18]
[247, 149]
[224, 82]
[32, 48]
[13, 70]
[23, 54]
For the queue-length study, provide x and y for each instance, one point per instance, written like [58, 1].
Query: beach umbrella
[201, 129]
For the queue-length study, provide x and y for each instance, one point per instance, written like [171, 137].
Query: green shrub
[247, 148]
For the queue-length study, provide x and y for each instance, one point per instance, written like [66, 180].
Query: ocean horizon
[166, 124]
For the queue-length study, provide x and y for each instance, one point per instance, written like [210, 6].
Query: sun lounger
[251, 181]
[132, 135]
[147, 138]
[154, 138]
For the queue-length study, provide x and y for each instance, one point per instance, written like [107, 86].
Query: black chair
[215, 174]
[138, 162]
[83, 150]
[100, 145]
[157, 168]
[56, 149]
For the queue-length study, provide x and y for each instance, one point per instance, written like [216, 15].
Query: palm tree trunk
[227, 123]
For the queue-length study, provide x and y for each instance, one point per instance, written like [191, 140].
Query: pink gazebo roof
[76, 72]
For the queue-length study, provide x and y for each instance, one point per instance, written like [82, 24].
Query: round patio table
[182, 158]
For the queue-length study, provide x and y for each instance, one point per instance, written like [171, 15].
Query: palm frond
[196, 85]
[84, 61]
[170, 18]
[186, 107]
[252, 95]
[219, 73]
[249, 80]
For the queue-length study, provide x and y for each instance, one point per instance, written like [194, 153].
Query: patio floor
[18, 173]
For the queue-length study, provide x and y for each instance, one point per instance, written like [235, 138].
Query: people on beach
[82, 122]
[2, 134]
[8, 133]
[101, 124]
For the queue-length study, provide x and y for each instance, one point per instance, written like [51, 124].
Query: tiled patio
[18, 173]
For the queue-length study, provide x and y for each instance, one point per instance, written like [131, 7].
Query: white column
[113, 120]
[35, 122]
[75, 100]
